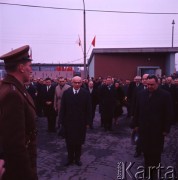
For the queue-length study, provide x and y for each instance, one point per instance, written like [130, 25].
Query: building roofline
[133, 50]
[51, 64]
[56, 64]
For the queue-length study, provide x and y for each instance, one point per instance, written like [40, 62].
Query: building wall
[125, 65]
[52, 74]
[170, 64]
[48, 70]
[91, 68]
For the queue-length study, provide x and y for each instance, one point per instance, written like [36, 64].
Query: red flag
[93, 42]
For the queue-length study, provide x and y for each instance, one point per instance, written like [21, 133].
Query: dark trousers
[107, 123]
[102, 120]
[138, 146]
[51, 117]
[152, 161]
[93, 114]
[129, 113]
[74, 151]
[176, 112]
[39, 108]
[51, 122]
[101, 114]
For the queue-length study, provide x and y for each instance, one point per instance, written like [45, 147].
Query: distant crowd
[125, 91]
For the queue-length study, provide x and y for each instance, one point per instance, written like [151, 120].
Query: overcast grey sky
[52, 33]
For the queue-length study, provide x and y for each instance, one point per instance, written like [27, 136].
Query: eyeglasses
[77, 82]
[61, 81]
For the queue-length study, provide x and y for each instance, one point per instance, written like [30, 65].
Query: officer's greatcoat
[17, 130]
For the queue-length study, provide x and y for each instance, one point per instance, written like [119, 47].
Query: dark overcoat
[39, 99]
[17, 130]
[32, 91]
[94, 100]
[108, 101]
[153, 116]
[49, 96]
[75, 114]
[93, 96]
[119, 102]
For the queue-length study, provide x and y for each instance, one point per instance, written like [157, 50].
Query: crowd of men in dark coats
[111, 95]
[125, 95]
[110, 100]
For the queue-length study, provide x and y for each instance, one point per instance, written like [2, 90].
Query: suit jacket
[58, 96]
[135, 92]
[40, 92]
[49, 96]
[75, 114]
[172, 90]
[93, 96]
[153, 116]
[17, 130]
[108, 101]
[32, 91]
[131, 90]
[119, 102]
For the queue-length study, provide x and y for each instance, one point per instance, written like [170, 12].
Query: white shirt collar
[74, 90]
[90, 89]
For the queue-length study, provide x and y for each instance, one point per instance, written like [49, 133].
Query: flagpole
[84, 44]
[173, 22]
[88, 49]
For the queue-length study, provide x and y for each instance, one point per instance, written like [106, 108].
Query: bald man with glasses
[75, 115]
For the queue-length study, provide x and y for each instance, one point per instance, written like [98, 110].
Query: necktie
[61, 87]
[47, 88]
[75, 91]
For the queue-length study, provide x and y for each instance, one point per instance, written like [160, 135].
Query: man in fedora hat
[17, 118]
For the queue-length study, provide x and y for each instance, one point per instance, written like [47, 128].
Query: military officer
[17, 118]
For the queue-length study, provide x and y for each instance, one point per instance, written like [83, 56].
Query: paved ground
[104, 154]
